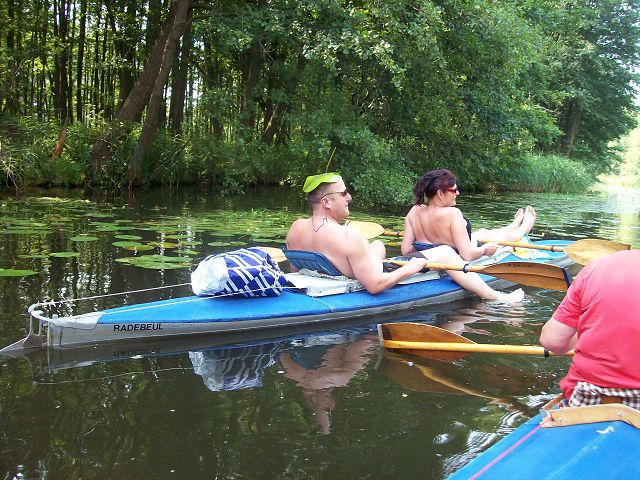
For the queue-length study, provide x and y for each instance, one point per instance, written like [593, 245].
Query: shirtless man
[352, 254]
[440, 222]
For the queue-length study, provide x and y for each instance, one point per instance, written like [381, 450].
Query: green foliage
[275, 88]
[546, 173]
[26, 145]
[232, 167]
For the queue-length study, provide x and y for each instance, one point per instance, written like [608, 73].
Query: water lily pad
[27, 231]
[34, 255]
[183, 236]
[263, 240]
[156, 262]
[10, 272]
[83, 238]
[129, 244]
[140, 248]
[189, 243]
[218, 244]
[64, 254]
[128, 237]
[163, 244]
[182, 251]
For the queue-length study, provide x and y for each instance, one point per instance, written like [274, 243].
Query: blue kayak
[599, 451]
[295, 307]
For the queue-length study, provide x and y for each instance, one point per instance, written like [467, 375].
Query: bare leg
[510, 233]
[470, 281]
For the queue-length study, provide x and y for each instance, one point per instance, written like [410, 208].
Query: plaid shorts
[586, 393]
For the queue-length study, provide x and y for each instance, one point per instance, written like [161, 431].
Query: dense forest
[118, 93]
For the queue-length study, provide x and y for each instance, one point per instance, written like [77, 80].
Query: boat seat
[311, 261]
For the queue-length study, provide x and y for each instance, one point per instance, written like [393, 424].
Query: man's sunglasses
[344, 193]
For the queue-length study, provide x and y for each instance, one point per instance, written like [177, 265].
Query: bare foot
[529, 218]
[510, 298]
[518, 217]
[519, 213]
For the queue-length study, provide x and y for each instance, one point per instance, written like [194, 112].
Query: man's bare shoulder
[297, 233]
[351, 239]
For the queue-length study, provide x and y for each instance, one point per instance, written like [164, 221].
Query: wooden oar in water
[432, 376]
[433, 342]
[532, 274]
[580, 251]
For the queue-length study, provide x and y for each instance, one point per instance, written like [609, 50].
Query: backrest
[311, 261]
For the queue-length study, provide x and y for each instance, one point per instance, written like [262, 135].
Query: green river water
[329, 405]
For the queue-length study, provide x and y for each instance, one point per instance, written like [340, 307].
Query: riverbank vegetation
[522, 94]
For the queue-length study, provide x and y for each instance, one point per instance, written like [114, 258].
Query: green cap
[313, 181]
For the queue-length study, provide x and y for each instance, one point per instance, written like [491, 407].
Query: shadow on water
[327, 404]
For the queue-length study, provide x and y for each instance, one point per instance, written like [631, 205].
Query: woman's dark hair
[431, 182]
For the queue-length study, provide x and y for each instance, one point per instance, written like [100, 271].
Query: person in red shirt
[600, 318]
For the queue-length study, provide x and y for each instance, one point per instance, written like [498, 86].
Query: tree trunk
[274, 124]
[131, 110]
[60, 83]
[79, 63]
[6, 84]
[569, 123]
[179, 82]
[151, 122]
[252, 61]
[124, 49]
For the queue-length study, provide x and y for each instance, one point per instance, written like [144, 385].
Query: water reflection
[234, 368]
[326, 363]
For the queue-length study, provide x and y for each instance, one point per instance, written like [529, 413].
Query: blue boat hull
[204, 315]
[598, 451]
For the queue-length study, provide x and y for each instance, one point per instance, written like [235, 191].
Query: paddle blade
[419, 332]
[275, 253]
[588, 249]
[532, 274]
[368, 229]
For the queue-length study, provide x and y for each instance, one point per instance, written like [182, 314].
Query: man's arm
[367, 268]
[557, 337]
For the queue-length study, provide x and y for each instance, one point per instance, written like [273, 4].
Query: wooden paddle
[275, 253]
[428, 341]
[532, 274]
[580, 251]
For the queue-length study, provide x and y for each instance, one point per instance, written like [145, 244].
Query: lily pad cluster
[172, 241]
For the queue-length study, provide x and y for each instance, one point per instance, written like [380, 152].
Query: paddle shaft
[488, 269]
[551, 248]
[470, 347]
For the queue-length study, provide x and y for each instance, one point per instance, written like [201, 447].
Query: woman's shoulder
[452, 212]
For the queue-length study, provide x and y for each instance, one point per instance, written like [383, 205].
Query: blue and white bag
[249, 272]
